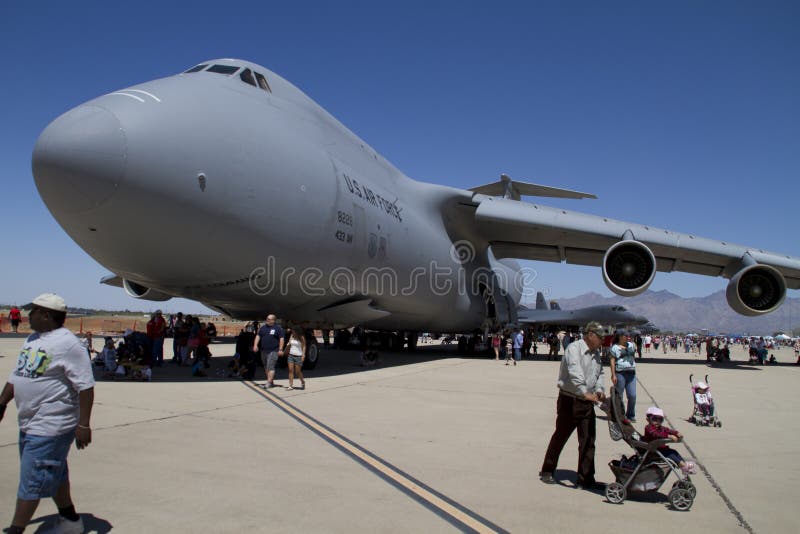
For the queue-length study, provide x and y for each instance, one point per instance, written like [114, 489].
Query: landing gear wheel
[615, 493]
[412, 341]
[312, 353]
[681, 499]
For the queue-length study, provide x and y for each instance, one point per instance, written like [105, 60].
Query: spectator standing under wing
[580, 386]
[623, 371]
[156, 330]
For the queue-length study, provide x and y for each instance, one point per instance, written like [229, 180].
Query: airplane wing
[521, 230]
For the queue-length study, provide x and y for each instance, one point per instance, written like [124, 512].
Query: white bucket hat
[658, 412]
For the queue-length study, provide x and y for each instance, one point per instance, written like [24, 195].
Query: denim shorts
[43, 464]
[295, 359]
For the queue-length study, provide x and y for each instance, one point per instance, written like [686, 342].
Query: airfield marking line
[449, 510]
[714, 484]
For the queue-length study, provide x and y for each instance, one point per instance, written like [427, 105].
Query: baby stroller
[647, 469]
[698, 417]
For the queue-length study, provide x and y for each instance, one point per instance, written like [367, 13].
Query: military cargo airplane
[226, 184]
[554, 316]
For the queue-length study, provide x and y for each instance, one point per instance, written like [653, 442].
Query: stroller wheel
[688, 486]
[681, 499]
[718, 424]
[615, 493]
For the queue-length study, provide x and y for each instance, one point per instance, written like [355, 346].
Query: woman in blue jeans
[623, 370]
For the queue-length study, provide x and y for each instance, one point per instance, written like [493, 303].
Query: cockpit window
[247, 77]
[262, 82]
[197, 68]
[223, 69]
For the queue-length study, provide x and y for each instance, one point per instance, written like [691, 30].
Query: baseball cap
[593, 326]
[658, 412]
[622, 332]
[50, 301]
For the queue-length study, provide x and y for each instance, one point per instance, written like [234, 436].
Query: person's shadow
[91, 523]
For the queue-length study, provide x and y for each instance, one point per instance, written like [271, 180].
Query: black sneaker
[547, 478]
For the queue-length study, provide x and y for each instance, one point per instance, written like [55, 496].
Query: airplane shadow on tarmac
[331, 363]
[91, 523]
[744, 365]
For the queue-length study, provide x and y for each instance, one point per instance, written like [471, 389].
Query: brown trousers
[573, 413]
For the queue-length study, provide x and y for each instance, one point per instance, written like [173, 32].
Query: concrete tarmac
[429, 442]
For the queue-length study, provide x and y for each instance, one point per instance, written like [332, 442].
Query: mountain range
[671, 312]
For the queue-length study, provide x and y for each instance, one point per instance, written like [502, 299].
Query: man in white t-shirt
[53, 387]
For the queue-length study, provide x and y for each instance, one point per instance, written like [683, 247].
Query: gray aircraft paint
[612, 315]
[194, 184]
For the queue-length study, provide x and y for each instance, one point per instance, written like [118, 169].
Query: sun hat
[593, 326]
[50, 301]
[652, 410]
[701, 385]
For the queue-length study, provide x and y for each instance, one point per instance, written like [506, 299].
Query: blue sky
[682, 115]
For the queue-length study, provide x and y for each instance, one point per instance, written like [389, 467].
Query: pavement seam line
[154, 419]
[443, 506]
[731, 507]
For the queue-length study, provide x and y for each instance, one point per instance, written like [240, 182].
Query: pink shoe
[689, 469]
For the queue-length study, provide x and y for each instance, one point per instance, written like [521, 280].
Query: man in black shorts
[269, 341]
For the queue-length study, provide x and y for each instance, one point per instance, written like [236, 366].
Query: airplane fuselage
[254, 201]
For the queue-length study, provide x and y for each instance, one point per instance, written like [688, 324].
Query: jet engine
[138, 291]
[629, 268]
[756, 290]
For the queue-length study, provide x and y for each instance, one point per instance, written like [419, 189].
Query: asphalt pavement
[429, 442]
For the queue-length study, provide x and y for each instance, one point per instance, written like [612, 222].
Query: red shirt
[15, 314]
[156, 327]
[653, 432]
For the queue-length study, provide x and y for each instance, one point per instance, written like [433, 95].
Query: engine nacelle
[629, 268]
[138, 291]
[756, 290]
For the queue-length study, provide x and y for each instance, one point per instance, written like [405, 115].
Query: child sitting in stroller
[703, 400]
[655, 430]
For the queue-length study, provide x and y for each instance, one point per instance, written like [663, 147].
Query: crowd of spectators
[138, 353]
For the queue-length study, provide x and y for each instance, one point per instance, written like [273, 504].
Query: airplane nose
[79, 159]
